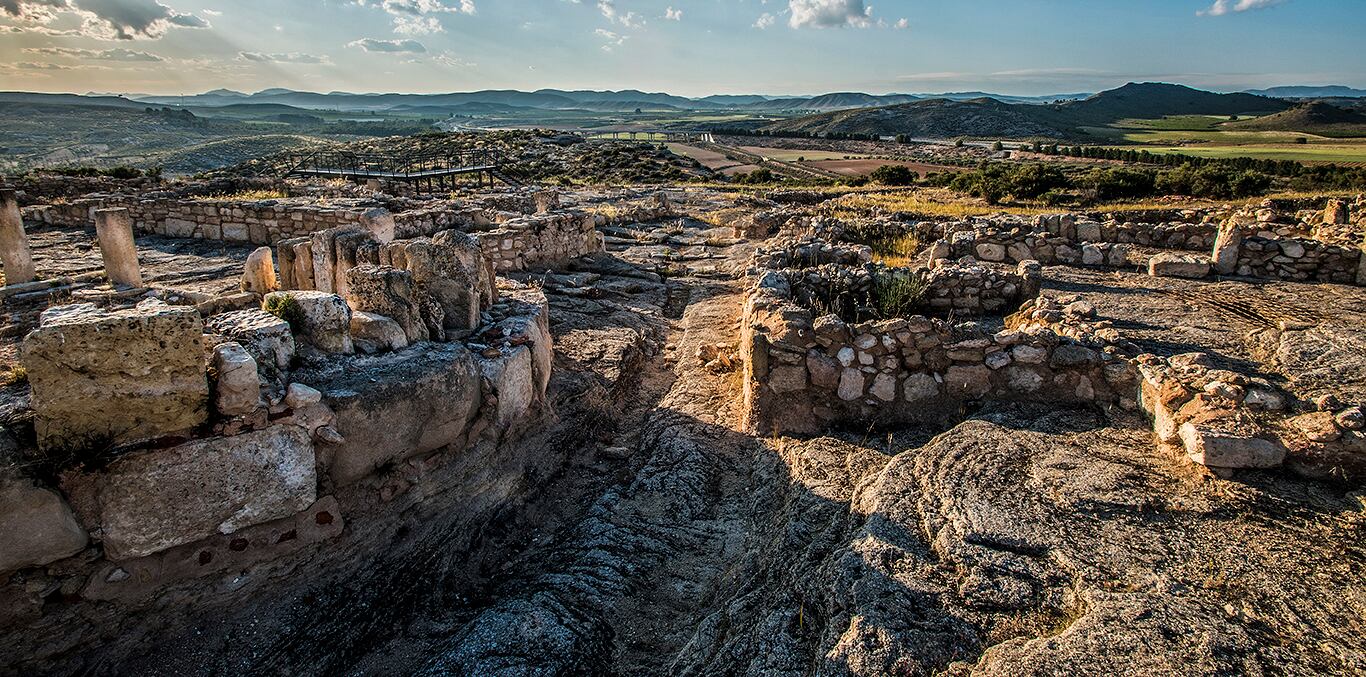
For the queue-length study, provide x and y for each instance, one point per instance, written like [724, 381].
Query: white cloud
[289, 57]
[829, 14]
[612, 39]
[765, 20]
[614, 15]
[105, 19]
[389, 46]
[417, 17]
[672, 14]
[1222, 7]
[126, 55]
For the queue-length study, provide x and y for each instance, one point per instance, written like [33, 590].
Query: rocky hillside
[1311, 118]
[936, 118]
[940, 118]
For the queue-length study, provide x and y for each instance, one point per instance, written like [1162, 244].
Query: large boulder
[397, 405]
[37, 527]
[267, 337]
[390, 292]
[160, 498]
[323, 320]
[1172, 264]
[104, 378]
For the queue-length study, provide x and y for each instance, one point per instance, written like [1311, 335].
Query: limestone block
[403, 404]
[968, 381]
[258, 276]
[374, 333]
[37, 527]
[324, 322]
[1171, 264]
[161, 498]
[15, 254]
[238, 389]
[266, 337]
[379, 223]
[111, 377]
[513, 383]
[991, 252]
[1227, 245]
[451, 268]
[1216, 447]
[920, 387]
[114, 229]
[390, 292]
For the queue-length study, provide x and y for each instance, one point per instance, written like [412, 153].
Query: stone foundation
[803, 374]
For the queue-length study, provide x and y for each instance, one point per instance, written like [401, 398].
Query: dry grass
[13, 374]
[897, 252]
[245, 196]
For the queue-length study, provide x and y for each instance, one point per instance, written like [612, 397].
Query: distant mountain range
[511, 101]
[1301, 92]
[988, 117]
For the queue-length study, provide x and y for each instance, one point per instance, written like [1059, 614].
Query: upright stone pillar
[114, 229]
[1227, 246]
[14, 252]
[258, 275]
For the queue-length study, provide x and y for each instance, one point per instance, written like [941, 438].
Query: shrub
[893, 175]
[287, 308]
[1114, 183]
[897, 293]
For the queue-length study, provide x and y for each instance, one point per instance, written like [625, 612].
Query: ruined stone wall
[1172, 235]
[965, 290]
[258, 222]
[541, 240]
[273, 469]
[803, 374]
[1298, 259]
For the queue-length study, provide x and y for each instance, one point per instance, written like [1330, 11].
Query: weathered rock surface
[160, 498]
[397, 405]
[325, 320]
[36, 526]
[111, 377]
[1172, 264]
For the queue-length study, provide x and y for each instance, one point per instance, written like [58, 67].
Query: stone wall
[541, 240]
[962, 289]
[1298, 259]
[257, 222]
[803, 374]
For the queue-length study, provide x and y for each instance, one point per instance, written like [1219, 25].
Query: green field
[1334, 152]
[1196, 135]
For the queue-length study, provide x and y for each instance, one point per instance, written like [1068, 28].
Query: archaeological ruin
[269, 426]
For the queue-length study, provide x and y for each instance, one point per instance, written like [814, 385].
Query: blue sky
[687, 47]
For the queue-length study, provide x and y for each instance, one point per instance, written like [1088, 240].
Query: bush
[897, 294]
[893, 175]
[1116, 183]
[287, 308]
[760, 175]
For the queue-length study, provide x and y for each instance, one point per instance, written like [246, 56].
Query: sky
[683, 47]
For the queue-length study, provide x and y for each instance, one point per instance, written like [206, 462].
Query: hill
[935, 118]
[1314, 117]
[943, 118]
[1149, 100]
[1302, 92]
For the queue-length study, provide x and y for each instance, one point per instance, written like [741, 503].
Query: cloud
[105, 19]
[614, 15]
[389, 46]
[672, 14]
[1222, 7]
[829, 14]
[612, 39]
[765, 20]
[125, 55]
[30, 66]
[417, 17]
[289, 57]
